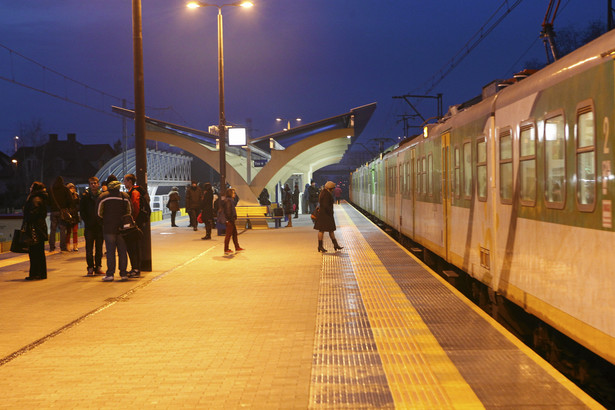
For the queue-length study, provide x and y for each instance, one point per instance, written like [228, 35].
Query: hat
[114, 185]
[330, 185]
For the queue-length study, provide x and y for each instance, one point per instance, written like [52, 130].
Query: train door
[413, 186]
[446, 192]
[398, 192]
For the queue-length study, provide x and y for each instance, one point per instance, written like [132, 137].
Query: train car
[517, 191]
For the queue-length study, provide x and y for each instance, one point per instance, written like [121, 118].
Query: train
[515, 190]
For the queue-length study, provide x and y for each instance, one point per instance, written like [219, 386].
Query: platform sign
[260, 163]
[237, 137]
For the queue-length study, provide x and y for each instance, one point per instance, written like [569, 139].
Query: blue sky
[283, 58]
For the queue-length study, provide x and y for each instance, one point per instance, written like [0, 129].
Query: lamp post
[222, 117]
[288, 122]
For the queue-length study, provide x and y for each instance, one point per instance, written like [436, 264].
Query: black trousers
[93, 246]
[38, 263]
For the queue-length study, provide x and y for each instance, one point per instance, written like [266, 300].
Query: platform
[276, 326]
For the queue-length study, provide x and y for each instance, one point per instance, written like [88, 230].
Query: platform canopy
[300, 150]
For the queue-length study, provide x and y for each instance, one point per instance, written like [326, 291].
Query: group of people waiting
[201, 203]
[103, 210]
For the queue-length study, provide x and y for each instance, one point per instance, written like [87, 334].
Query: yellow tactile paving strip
[418, 371]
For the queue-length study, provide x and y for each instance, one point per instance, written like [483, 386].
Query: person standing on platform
[59, 199]
[305, 200]
[173, 204]
[92, 227]
[296, 200]
[313, 196]
[337, 193]
[139, 202]
[193, 204]
[73, 225]
[34, 214]
[207, 209]
[325, 222]
[228, 213]
[287, 204]
[112, 206]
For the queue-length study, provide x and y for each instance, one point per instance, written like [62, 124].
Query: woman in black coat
[34, 214]
[325, 222]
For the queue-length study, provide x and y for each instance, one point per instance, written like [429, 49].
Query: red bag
[199, 218]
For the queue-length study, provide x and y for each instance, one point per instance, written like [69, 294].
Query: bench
[256, 217]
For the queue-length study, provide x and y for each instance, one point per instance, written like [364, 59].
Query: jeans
[115, 241]
[93, 238]
[56, 222]
[231, 231]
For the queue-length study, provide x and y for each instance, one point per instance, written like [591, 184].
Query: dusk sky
[283, 58]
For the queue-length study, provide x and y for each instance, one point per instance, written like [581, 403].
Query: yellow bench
[255, 217]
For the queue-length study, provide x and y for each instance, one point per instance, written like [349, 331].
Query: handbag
[314, 215]
[66, 216]
[199, 218]
[21, 241]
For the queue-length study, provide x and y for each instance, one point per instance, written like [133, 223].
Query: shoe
[206, 237]
[320, 247]
[239, 249]
[97, 271]
[90, 271]
[195, 228]
[134, 274]
[227, 251]
[108, 278]
[123, 278]
[174, 226]
[75, 249]
[52, 249]
[34, 278]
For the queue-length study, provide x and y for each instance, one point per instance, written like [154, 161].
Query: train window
[457, 176]
[555, 161]
[467, 170]
[506, 167]
[430, 174]
[527, 165]
[418, 176]
[424, 175]
[481, 168]
[586, 159]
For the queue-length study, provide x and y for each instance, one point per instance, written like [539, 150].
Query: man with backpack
[141, 211]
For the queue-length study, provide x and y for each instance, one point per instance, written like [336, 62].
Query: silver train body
[517, 191]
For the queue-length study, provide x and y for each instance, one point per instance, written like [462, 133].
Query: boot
[336, 245]
[320, 248]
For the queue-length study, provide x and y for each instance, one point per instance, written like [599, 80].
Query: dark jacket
[325, 221]
[208, 204]
[287, 201]
[193, 198]
[59, 197]
[173, 201]
[34, 214]
[312, 194]
[74, 206]
[88, 211]
[227, 210]
[112, 206]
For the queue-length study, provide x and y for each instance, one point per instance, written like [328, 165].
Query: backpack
[144, 208]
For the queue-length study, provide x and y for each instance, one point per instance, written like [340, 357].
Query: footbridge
[271, 159]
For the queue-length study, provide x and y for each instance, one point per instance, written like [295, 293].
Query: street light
[288, 122]
[222, 120]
